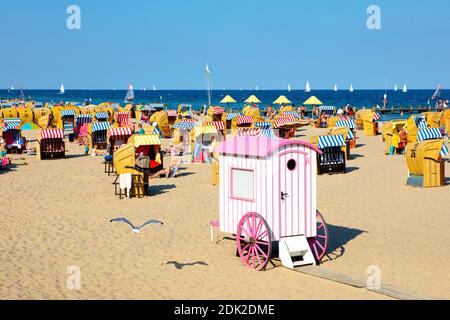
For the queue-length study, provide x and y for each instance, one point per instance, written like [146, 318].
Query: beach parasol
[313, 101]
[228, 99]
[252, 99]
[282, 100]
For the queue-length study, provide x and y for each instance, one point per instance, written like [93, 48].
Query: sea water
[198, 98]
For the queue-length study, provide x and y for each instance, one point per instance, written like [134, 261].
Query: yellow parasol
[228, 99]
[313, 101]
[252, 99]
[282, 100]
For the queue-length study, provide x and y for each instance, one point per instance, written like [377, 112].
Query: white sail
[154, 88]
[61, 89]
[257, 89]
[308, 87]
[405, 89]
[351, 88]
[335, 88]
[289, 87]
[130, 94]
[395, 88]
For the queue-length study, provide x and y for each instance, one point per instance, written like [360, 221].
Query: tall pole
[208, 79]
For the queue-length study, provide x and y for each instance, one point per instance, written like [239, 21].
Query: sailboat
[351, 88]
[154, 88]
[61, 89]
[257, 89]
[437, 93]
[405, 89]
[395, 88]
[289, 87]
[308, 87]
[130, 94]
[335, 88]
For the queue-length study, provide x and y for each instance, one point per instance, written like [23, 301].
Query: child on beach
[86, 149]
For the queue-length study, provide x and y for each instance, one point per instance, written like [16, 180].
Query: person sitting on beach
[86, 149]
[170, 171]
[350, 111]
[95, 152]
[323, 120]
[144, 118]
[140, 129]
[270, 112]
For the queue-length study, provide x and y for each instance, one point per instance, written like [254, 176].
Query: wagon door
[296, 194]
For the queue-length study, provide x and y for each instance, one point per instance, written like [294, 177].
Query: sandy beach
[55, 214]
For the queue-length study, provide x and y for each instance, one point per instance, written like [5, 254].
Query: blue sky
[247, 43]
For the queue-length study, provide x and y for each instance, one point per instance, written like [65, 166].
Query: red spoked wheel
[319, 243]
[254, 241]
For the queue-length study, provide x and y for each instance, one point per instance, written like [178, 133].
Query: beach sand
[55, 214]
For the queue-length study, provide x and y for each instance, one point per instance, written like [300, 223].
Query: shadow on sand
[160, 189]
[338, 238]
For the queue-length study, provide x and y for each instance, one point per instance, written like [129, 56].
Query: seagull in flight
[133, 227]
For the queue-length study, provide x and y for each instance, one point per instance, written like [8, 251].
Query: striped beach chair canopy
[350, 135]
[280, 122]
[11, 124]
[172, 113]
[102, 115]
[205, 129]
[123, 118]
[148, 107]
[293, 113]
[248, 132]
[84, 118]
[244, 119]
[184, 125]
[218, 124]
[154, 106]
[444, 152]
[52, 133]
[421, 122]
[265, 124]
[331, 141]
[329, 110]
[115, 132]
[232, 115]
[156, 129]
[99, 126]
[218, 110]
[288, 117]
[376, 116]
[429, 134]
[147, 140]
[68, 113]
[346, 124]
[266, 129]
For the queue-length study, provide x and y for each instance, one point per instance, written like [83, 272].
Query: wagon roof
[258, 146]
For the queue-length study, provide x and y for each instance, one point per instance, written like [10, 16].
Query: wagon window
[291, 164]
[242, 184]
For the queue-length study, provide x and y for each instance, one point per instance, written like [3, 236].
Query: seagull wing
[125, 220]
[151, 221]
